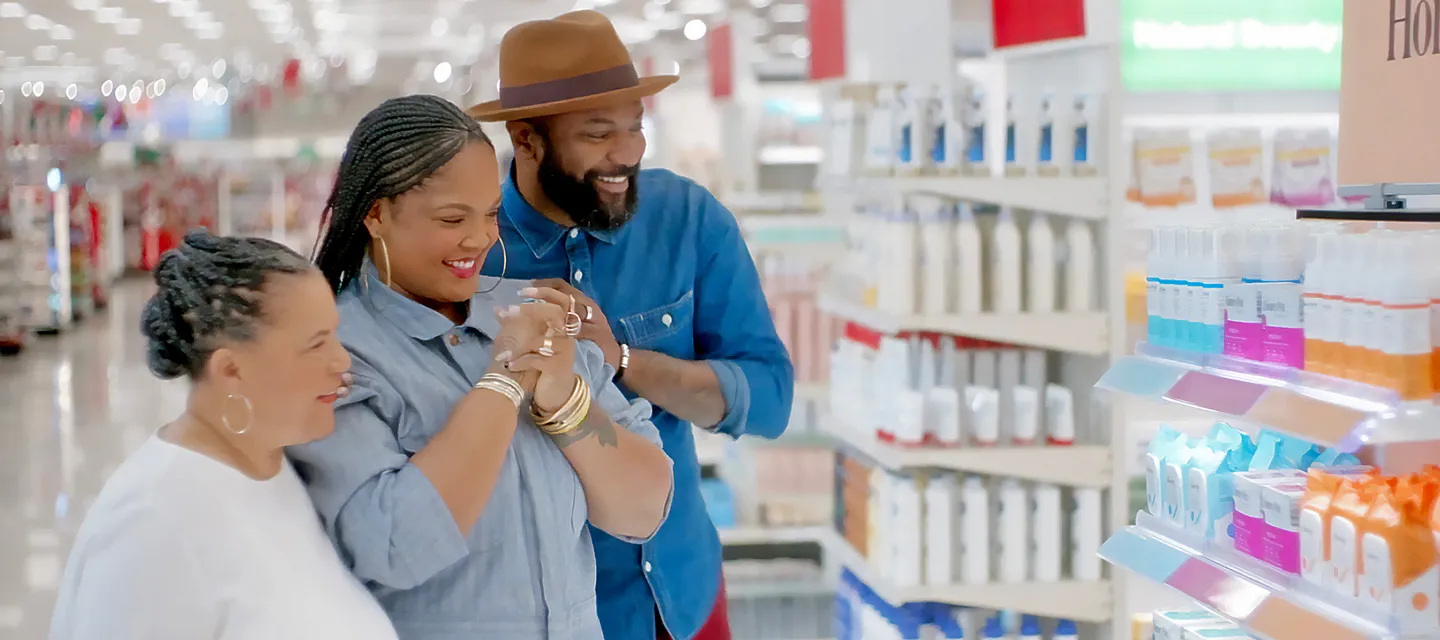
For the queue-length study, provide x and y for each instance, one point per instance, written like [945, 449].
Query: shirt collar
[417, 320]
[538, 231]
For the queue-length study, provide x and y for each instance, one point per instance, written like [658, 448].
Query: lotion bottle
[936, 222]
[968, 278]
[1014, 531]
[1085, 535]
[1007, 285]
[1045, 533]
[974, 532]
[1040, 252]
[1080, 269]
[941, 502]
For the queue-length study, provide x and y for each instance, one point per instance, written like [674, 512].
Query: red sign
[720, 52]
[826, 30]
[1020, 22]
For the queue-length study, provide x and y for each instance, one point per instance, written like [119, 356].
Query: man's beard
[580, 198]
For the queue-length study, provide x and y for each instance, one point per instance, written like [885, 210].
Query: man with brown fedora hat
[664, 284]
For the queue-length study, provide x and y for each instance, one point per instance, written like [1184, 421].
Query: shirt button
[647, 566]
[579, 275]
[666, 319]
[574, 232]
[455, 339]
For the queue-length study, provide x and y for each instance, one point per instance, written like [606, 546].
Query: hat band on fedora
[588, 84]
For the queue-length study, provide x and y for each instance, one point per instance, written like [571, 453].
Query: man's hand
[593, 324]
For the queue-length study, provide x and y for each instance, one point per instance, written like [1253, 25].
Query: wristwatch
[624, 361]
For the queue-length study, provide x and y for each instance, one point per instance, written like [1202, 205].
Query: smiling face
[586, 163]
[290, 369]
[436, 236]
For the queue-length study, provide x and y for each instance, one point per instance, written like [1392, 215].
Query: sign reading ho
[1389, 80]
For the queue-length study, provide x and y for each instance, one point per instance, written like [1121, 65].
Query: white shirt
[180, 546]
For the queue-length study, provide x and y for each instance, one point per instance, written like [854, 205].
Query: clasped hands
[536, 342]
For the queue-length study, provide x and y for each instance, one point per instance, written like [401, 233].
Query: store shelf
[1325, 410]
[750, 536]
[1081, 601]
[1261, 598]
[1063, 196]
[1074, 466]
[1083, 333]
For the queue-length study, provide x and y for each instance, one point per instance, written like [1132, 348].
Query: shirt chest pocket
[668, 329]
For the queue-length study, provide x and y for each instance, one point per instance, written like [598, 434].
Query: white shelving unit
[1072, 197]
[1083, 333]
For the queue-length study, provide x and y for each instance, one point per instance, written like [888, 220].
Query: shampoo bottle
[936, 222]
[1085, 535]
[1030, 628]
[1080, 269]
[1045, 533]
[1045, 164]
[968, 278]
[941, 520]
[1014, 531]
[1006, 288]
[1040, 242]
[1065, 630]
[974, 532]
[976, 158]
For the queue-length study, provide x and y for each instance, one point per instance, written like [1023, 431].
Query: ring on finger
[547, 348]
[572, 324]
[589, 313]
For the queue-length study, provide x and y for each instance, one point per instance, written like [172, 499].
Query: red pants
[717, 626]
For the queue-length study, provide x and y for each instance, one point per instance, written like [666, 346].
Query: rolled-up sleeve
[633, 415]
[386, 519]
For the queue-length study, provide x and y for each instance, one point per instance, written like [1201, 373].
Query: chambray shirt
[527, 569]
[677, 279]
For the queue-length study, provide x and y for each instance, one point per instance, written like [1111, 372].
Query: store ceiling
[382, 42]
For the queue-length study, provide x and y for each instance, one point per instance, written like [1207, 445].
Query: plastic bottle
[936, 262]
[1186, 318]
[1167, 334]
[1045, 533]
[1025, 414]
[1040, 272]
[1080, 270]
[899, 261]
[1006, 287]
[1320, 313]
[1065, 630]
[974, 532]
[1244, 329]
[1282, 269]
[1215, 267]
[1365, 298]
[1349, 303]
[1085, 535]
[968, 277]
[906, 534]
[1154, 272]
[1059, 416]
[941, 506]
[1013, 535]
[1432, 244]
[994, 628]
[1030, 628]
[1405, 321]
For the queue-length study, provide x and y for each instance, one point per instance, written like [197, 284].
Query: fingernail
[502, 356]
[347, 378]
[342, 392]
[530, 291]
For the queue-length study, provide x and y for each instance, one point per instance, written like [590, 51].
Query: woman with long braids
[206, 531]
[479, 436]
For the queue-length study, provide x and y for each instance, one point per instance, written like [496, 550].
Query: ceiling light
[759, 4]
[442, 72]
[38, 89]
[72, 91]
[61, 32]
[788, 13]
[2, 96]
[221, 95]
[11, 10]
[128, 27]
[675, 68]
[217, 69]
[135, 94]
[25, 89]
[121, 92]
[202, 86]
[36, 22]
[109, 15]
[439, 27]
[106, 88]
[801, 48]
[695, 29]
[653, 10]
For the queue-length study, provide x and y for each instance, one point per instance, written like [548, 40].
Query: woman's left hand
[552, 373]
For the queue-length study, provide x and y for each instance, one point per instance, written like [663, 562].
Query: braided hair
[395, 148]
[210, 290]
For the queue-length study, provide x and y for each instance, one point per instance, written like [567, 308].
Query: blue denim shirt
[677, 279]
[527, 569]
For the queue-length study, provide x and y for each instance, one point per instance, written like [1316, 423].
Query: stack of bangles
[569, 416]
[503, 385]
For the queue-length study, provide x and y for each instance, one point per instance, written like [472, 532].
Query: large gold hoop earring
[504, 266]
[384, 253]
[225, 414]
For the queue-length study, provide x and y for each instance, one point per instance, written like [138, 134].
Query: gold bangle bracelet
[576, 392]
[571, 421]
[503, 386]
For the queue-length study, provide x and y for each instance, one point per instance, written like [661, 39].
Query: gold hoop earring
[225, 414]
[504, 266]
[384, 253]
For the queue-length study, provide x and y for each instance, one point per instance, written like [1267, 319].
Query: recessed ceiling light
[109, 15]
[135, 94]
[38, 89]
[2, 96]
[442, 72]
[801, 48]
[11, 10]
[439, 27]
[61, 32]
[121, 92]
[695, 29]
[217, 68]
[36, 22]
[160, 87]
[221, 95]
[26, 89]
[202, 87]
[72, 91]
[675, 68]
[106, 88]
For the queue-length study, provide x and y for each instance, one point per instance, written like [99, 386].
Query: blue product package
[1333, 458]
[1210, 494]
[1164, 441]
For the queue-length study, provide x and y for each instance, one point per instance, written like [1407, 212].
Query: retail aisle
[71, 407]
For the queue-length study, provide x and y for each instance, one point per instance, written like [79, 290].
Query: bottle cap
[1029, 626]
[994, 628]
[1065, 628]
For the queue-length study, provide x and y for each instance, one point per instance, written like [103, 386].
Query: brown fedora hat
[573, 62]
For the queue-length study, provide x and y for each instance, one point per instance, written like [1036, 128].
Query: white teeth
[462, 264]
[620, 180]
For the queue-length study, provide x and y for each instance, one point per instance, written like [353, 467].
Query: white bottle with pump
[1080, 268]
[974, 532]
[1013, 534]
[936, 263]
[1006, 283]
[1045, 533]
[898, 284]
[1040, 273]
[968, 275]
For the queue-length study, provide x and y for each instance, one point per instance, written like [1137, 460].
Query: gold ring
[547, 348]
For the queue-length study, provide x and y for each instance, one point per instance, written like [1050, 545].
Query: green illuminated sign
[1230, 45]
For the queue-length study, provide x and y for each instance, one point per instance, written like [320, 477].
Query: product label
[1242, 302]
[1189, 303]
[1372, 335]
[1153, 486]
[1152, 298]
[1174, 496]
[1211, 304]
[1348, 321]
[1405, 330]
[1316, 317]
[1280, 305]
[1169, 301]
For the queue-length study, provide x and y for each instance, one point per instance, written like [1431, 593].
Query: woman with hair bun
[206, 530]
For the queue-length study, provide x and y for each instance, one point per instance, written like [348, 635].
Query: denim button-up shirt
[677, 279]
[527, 569]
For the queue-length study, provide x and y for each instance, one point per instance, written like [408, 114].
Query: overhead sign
[1389, 85]
[1231, 45]
[1021, 22]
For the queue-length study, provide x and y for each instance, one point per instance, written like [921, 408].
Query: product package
[1165, 441]
[977, 157]
[1303, 175]
[1171, 625]
[880, 139]
[1209, 476]
[1085, 128]
[1046, 159]
[1237, 175]
[1165, 167]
